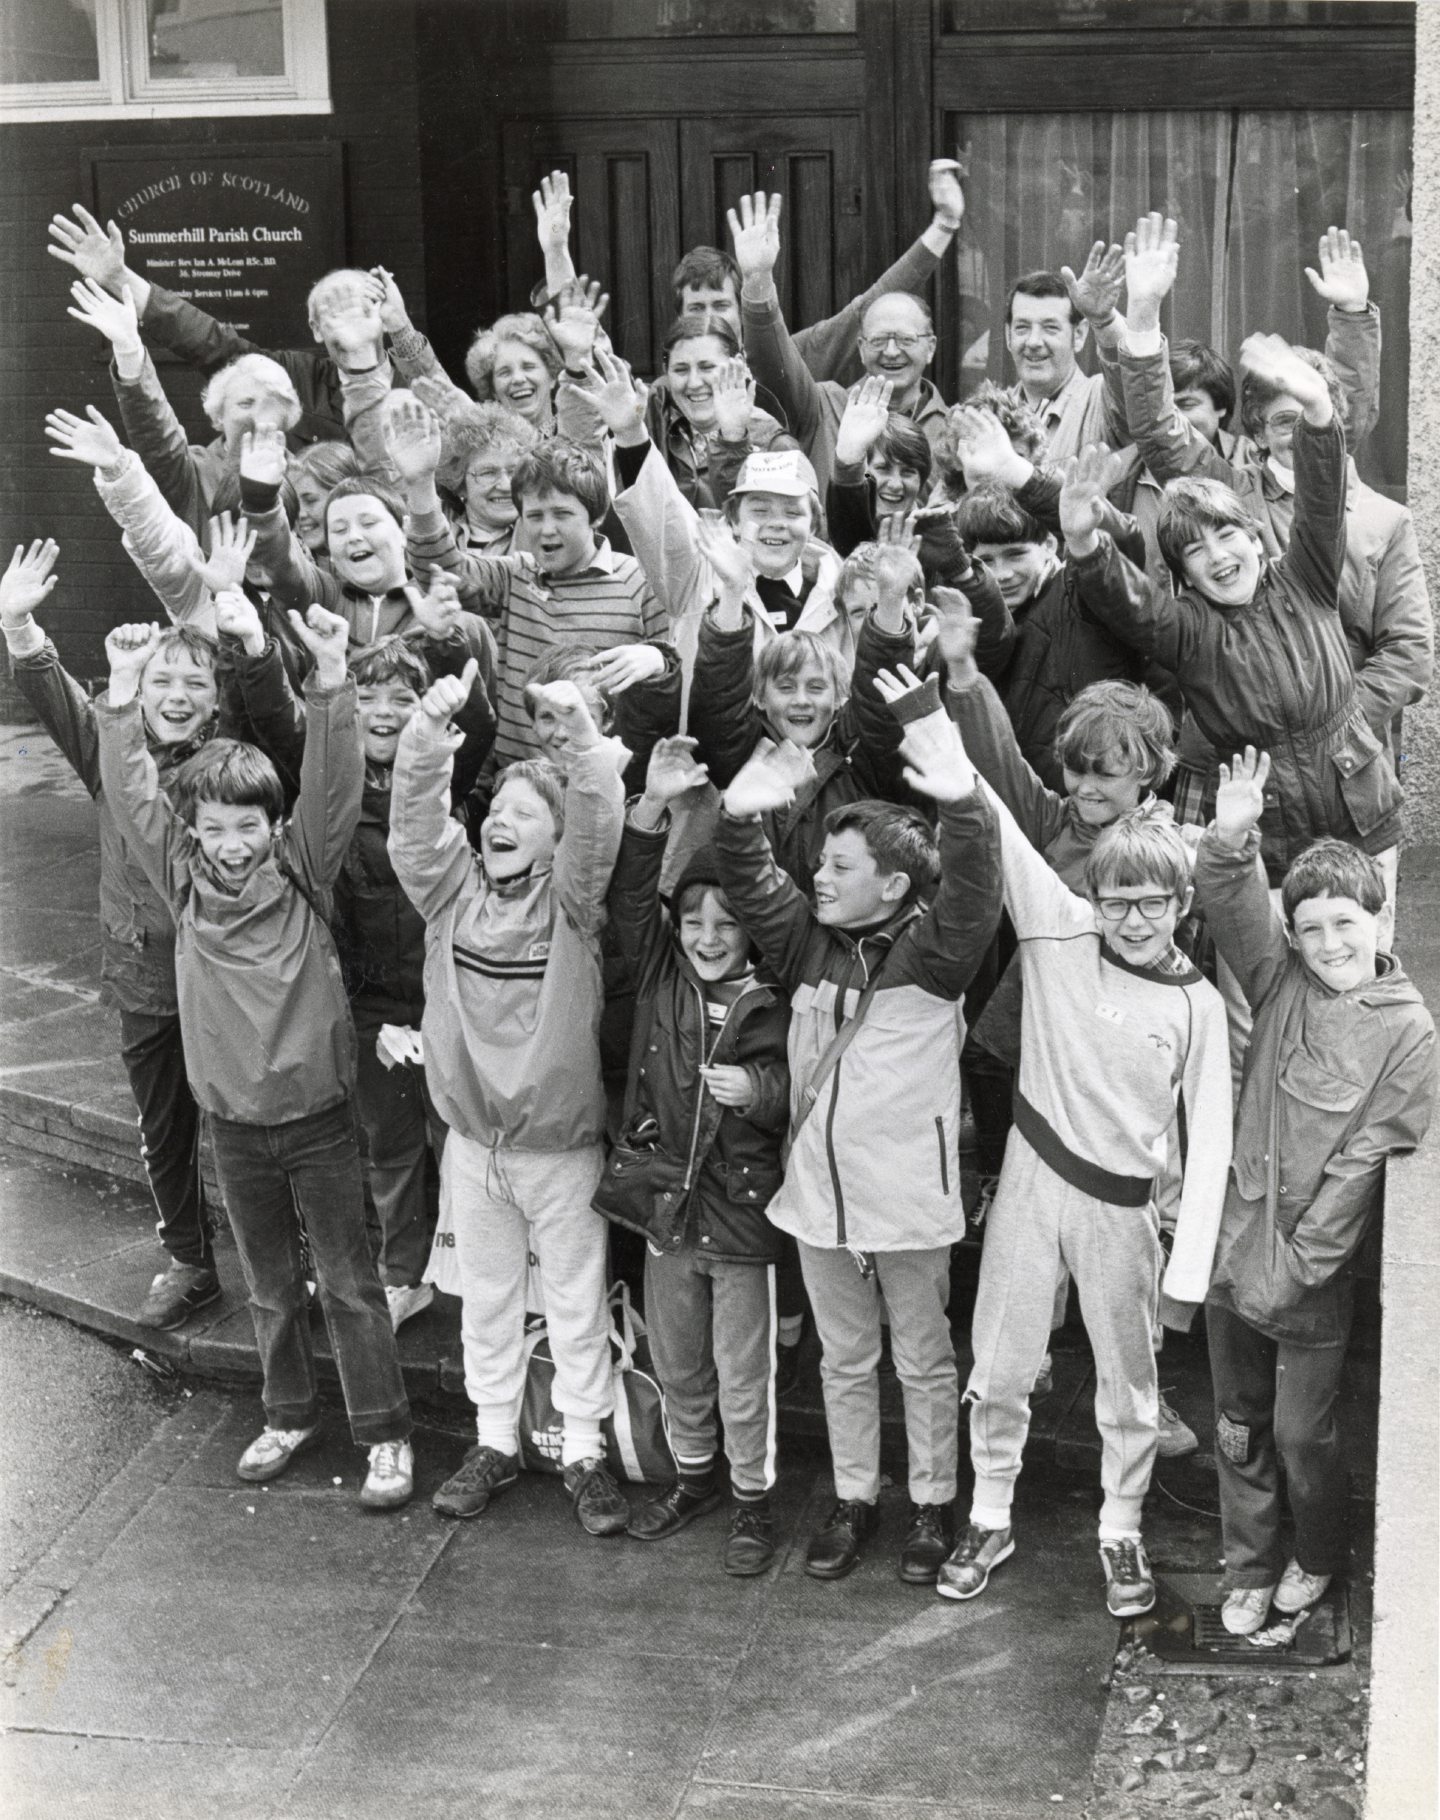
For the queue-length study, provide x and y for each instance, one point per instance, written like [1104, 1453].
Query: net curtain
[1252, 193]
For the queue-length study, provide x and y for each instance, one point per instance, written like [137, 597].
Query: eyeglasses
[907, 344]
[1116, 909]
[1283, 420]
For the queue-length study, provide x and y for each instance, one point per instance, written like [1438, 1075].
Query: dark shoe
[177, 1293]
[928, 1541]
[483, 1474]
[750, 1546]
[787, 1368]
[649, 1522]
[600, 1505]
[835, 1549]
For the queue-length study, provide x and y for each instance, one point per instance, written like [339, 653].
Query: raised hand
[447, 695]
[755, 232]
[673, 770]
[96, 253]
[732, 390]
[984, 447]
[1241, 796]
[438, 395]
[411, 434]
[262, 456]
[946, 195]
[394, 316]
[896, 531]
[1088, 478]
[768, 779]
[570, 708]
[1272, 359]
[232, 543]
[1342, 279]
[110, 316]
[936, 761]
[732, 562]
[28, 582]
[622, 666]
[573, 320]
[437, 611]
[1152, 258]
[1096, 292]
[867, 411]
[325, 636]
[956, 633]
[616, 395]
[90, 439]
[236, 617]
[128, 649]
[552, 212]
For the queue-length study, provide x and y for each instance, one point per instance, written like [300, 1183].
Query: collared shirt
[1072, 416]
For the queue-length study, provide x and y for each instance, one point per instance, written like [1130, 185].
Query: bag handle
[834, 1049]
[626, 1325]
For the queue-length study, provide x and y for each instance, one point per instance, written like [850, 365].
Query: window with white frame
[161, 59]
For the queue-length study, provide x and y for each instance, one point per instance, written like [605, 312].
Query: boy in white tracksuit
[1116, 1025]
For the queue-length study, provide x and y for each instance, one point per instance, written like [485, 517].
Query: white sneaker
[390, 1481]
[1298, 1591]
[1177, 1438]
[273, 1449]
[1245, 1609]
[407, 1300]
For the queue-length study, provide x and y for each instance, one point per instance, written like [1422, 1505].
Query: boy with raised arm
[1101, 974]
[269, 1039]
[1256, 643]
[179, 698]
[708, 1076]
[872, 1184]
[1340, 1074]
[511, 1032]
[1382, 599]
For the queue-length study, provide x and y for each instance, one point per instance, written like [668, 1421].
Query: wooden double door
[647, 189]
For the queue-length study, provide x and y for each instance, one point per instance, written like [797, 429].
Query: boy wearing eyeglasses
[1102, 979]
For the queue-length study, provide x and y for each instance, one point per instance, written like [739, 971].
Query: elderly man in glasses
[896, 343]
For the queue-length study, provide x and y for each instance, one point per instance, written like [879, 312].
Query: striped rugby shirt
[609, 602]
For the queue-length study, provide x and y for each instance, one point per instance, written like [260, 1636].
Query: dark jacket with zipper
[859, 757]
[719, 1167]
[875, 1166]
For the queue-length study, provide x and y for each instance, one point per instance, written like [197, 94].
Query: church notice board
[241, 231]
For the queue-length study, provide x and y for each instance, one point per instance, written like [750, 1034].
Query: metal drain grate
[1185, 1630]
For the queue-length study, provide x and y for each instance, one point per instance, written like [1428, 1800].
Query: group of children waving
[555, 728]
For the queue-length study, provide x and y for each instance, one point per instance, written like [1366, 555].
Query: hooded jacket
[725, 1164]
[1275, 672]
[875, 1166]
[263, 1015]
[1334, 1083]
[137, 929]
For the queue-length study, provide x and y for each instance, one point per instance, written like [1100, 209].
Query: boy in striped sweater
[575, 590]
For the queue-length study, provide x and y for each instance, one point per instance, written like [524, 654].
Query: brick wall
[46, 359]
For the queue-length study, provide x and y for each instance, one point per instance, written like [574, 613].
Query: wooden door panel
[814, 162]
[626, 223]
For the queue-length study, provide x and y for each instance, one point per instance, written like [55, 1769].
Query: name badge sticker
[1112, 1014]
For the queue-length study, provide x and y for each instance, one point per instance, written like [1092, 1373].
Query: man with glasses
[896, 343]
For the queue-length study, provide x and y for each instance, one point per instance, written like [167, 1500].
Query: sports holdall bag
[637, 1435]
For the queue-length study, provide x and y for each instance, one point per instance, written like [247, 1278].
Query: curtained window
[1252, 191]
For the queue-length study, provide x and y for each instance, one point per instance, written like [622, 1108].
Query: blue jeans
[274, 1177]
